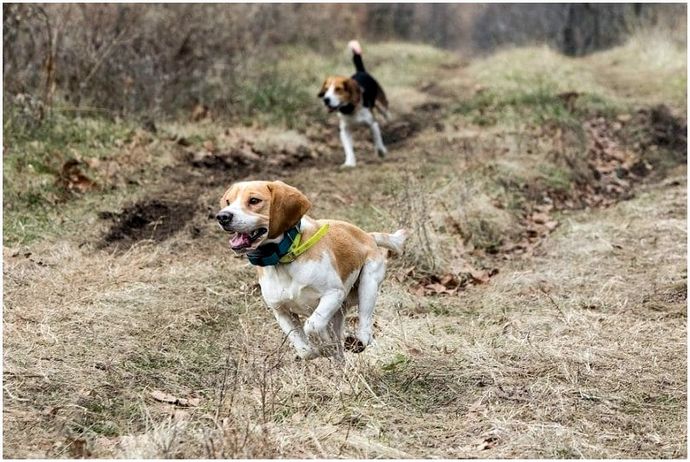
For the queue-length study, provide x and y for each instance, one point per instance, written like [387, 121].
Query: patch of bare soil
[408, 125]
[242, 157]
[663, 129]
[245, 157]
[154, 220]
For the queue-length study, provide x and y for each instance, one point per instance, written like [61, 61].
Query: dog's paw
[305, 354]
[346, 166]
[353, 344]
[382, 151]
[316, 333]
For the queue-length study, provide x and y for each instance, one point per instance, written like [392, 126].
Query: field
[539, 310]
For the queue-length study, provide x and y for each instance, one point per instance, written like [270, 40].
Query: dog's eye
[227, 202]
[254, 201]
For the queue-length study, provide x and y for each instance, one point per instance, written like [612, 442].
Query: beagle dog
[355, 99]
[334, 266]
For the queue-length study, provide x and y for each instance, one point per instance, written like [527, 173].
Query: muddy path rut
[175, 197]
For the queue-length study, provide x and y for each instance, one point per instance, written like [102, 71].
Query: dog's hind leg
[368, 118]
[370, 279]
[378, 141]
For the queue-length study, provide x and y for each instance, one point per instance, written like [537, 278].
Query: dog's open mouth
[244, 241]
[329, 107]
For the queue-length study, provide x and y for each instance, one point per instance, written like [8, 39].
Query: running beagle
[308, 268]
[355, 99]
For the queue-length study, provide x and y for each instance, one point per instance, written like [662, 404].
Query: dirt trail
[198, 172]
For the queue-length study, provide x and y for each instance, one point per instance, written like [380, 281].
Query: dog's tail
[394, 242]
[356, 55]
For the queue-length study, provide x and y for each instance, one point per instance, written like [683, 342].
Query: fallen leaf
[540, 218]
[340, 199]
[449, 281]
[73, 179]
[168, 398]
[209, 146]
[481, 277]
[78, 448]
[414, 351]
[436, 287]
[199, 112]
[488, 443]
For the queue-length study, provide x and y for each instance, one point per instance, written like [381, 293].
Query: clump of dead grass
[648, 70]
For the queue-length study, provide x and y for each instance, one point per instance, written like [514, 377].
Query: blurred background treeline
[162, 59]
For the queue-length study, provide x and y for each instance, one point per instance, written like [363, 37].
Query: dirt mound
[408, 125]
[235, 159]
[237, 154]
[400, 130]
[152, 220]
[659, 127]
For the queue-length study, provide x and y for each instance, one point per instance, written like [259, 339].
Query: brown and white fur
[355, 99]
[345, 268]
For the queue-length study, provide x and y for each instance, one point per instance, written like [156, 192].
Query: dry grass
[577, 352]
[614, 74]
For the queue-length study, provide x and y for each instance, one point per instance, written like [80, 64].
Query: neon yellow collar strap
[297, 248]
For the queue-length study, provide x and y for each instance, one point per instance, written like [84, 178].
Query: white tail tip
[398, 239]
[394, 242]
[355, 47]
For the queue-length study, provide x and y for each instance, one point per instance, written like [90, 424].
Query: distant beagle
[308, 268]
[355, 99]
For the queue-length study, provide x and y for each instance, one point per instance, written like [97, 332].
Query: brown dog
[341, 268]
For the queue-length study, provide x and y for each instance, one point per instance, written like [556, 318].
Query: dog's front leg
[336, 330]
[316, 326]
[346, 139]
[292, 328]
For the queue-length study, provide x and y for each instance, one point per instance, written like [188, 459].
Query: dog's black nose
[327, 101]
[224, 218]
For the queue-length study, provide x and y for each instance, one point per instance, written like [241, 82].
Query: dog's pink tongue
[240, 240]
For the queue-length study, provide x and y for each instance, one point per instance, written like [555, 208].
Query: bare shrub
[132, 58]
[164, 58]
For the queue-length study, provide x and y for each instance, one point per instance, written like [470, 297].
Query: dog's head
[254, 211]
[339, 91]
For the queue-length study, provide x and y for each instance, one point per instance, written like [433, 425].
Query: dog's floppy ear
[228, 196]
[288, 205]
[324, 87]
[353, 89]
